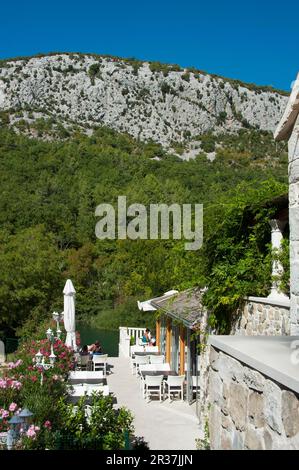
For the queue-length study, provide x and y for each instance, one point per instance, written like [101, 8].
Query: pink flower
[3, 383]
[13, 365]
[31, 432]
[5, 414]
[17, 385]
[12, 407]
[33, 378]
[48, 424]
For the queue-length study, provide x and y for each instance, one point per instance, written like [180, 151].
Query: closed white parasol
[69, 314]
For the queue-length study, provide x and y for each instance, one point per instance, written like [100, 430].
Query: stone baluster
[277, 227]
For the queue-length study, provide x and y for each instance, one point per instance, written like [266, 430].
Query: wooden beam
[158, 333]
[182, 350]
[168, 340]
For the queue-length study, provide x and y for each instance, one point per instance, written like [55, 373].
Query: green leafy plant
[204, 444]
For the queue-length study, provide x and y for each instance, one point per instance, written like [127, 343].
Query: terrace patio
[164, 425]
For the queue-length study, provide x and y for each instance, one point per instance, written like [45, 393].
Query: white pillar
[124, 342]
[277, 227]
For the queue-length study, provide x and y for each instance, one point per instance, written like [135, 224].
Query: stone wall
[247, 410]
[261, 317]
[294, 226]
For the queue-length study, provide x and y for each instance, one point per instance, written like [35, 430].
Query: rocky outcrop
[163, 103]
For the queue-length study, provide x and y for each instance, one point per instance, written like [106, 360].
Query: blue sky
[255, 42]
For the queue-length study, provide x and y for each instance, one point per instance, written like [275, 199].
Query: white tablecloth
[82, 389]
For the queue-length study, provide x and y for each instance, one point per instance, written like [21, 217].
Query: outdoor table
[148, 353]
[165, 373]
[84, 375]
[81, 389]
[100, 381]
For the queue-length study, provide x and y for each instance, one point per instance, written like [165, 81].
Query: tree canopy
[49, 192]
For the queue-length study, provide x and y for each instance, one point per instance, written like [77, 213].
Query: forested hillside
[49, 191]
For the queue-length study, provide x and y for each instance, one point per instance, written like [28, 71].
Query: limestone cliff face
[165, 105]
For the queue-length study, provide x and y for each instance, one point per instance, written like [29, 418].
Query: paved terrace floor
[165, 425]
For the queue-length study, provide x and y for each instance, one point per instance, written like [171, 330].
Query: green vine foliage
[237, 256]
[284, 257]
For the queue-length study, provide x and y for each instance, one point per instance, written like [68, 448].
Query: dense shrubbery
[20, 387]
[29, 393]
[56, 423]
[49, 194]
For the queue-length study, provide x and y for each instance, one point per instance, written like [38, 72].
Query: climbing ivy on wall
[237, 255]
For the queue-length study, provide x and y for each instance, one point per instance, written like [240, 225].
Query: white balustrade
[125, 335]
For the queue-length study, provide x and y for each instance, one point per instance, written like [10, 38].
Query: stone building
[288, 129]
[253, 376]
[249, 380]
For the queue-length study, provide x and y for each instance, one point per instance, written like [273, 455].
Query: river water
[107, 338]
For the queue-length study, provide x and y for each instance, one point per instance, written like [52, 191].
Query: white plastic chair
[157, 359]
[175, 385]
[83, 362]
[153, 386]
[140, 360]
[145, 368]
[99, 362]
[133, 350]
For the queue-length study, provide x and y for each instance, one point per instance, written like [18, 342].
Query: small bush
[186, 77]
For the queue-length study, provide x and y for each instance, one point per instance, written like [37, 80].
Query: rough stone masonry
[288, 129]
[247, 409]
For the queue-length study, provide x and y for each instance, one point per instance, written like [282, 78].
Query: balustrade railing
[128, 336]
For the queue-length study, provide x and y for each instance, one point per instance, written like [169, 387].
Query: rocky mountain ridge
[148, 100]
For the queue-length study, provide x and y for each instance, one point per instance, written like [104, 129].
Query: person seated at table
[146, 338]
[93, 346]
[97, 349]
[84, 350]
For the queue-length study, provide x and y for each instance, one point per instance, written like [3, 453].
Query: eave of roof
[287, 122]
[185, 307]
